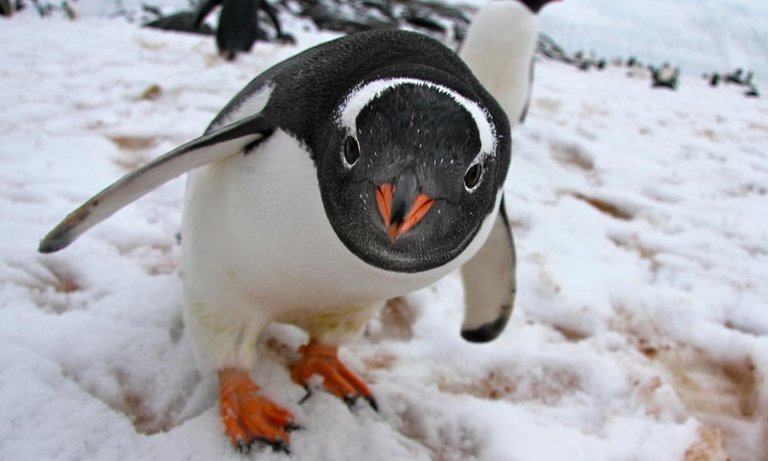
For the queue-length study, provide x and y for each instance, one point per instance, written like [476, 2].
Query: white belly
[257, 247]
[271, 240]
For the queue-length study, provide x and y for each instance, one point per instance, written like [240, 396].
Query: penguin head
[410, 173]
[536, 5]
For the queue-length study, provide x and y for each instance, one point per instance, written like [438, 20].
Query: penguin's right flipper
[205, 9]
[215, 145]
[524, 113]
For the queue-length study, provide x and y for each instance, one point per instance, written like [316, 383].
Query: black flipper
[272, 14]
[524, 113]
[489, 284]
[205, 9]
[215, 145]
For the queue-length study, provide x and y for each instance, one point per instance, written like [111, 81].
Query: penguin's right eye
[351, 151]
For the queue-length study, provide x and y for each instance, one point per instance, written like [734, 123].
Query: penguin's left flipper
[215, 145]
[489, 284]
[272, 14]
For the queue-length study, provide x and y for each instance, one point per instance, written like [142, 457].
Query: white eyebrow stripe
[359, 97]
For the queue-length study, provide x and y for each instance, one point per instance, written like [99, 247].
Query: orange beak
[417, 210]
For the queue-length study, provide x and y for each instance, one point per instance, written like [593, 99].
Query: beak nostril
[403, 193]
[398, 213]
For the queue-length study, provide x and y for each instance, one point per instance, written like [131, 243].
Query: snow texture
[640, 331]
[700, 36]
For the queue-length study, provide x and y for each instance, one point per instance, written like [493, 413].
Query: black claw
[280, 445]
[350, 400]
[277, 445]
[306, 396]
[290, 427]
[372, 402]
[243, 447]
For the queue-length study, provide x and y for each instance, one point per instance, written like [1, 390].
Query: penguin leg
[249, 417]
[323, 360]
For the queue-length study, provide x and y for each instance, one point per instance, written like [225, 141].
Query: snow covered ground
[640, 331]
[700, 36]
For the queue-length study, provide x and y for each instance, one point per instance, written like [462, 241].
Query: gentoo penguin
[665, 77]
[7, 7]
[735, 76]
[499, 49]
[752, 92]
[238, 26]
[359, 170]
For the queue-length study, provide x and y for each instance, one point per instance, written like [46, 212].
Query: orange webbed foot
[322, 360]
[248, 417]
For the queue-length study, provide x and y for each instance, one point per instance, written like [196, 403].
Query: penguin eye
[472, 176]
[351, 151]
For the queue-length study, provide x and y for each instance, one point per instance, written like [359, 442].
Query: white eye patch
[362, 95]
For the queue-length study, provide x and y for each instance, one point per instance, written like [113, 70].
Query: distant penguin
[637, 70]
[714, 80]
[735, 76]
[665, 77]
[7, 7]
[238, 26]
[748, 79]
[69, 9]
[581, 61]
[601, 64]
[499, 48]
[356, 171]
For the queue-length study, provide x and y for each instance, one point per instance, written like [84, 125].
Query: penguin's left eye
[472, 176]
[351, 151]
